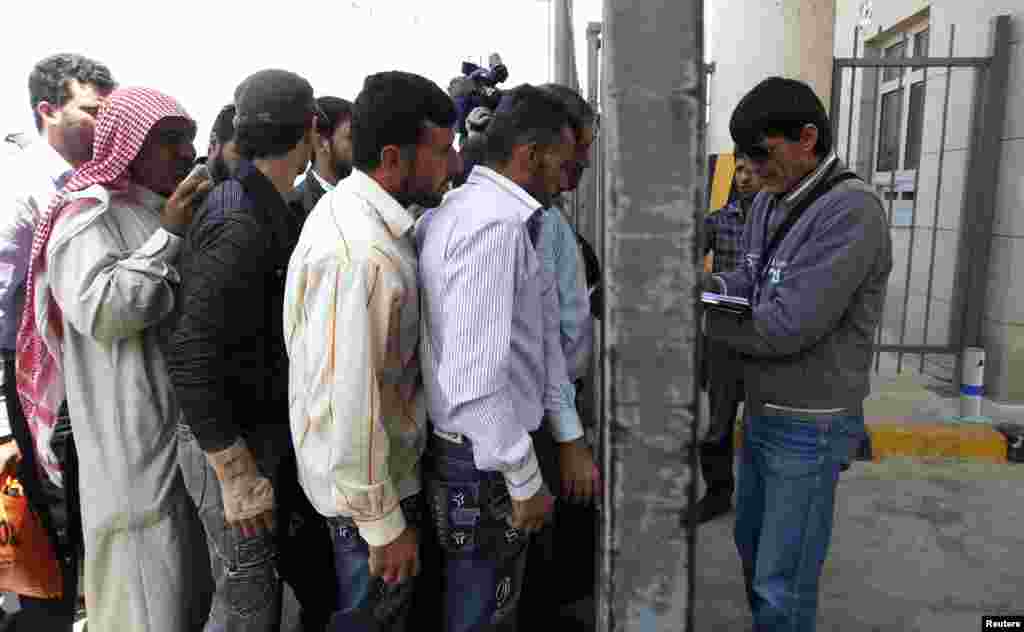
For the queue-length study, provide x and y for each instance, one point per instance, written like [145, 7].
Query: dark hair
[336, 111]
[780, 106]
[224, 124]
[472, 152]
[392, 109]
[526, 115]
[581, 113]
[50, 80]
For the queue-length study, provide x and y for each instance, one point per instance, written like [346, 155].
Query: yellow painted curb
[975, 442]
[923, 440]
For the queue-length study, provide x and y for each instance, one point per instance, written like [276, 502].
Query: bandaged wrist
[245, 491]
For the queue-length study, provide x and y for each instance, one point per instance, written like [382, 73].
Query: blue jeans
[483, 559]
[365, 603]
[789, 468]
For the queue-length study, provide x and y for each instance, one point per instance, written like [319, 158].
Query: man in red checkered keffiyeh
[123, 123]
[101, 283]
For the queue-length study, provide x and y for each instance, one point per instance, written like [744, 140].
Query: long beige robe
[110, 271]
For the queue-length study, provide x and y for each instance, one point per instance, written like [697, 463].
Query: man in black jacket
[229, 367]
[332, 153]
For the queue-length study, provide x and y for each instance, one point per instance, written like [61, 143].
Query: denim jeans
[365, 603]
[789, 468]
[248, 589]
[483, 559]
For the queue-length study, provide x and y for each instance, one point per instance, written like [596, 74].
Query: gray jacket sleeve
[819, 282]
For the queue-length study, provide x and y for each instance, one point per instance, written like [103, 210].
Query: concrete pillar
[654, 191]
[808, 38]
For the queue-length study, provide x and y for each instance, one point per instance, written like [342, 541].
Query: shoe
[710, 507]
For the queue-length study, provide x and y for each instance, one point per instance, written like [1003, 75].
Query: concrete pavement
[927, 547]
[918, 546]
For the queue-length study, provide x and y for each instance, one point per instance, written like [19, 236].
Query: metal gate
[893, 131]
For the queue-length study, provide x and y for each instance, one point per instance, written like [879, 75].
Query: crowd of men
[366, 386]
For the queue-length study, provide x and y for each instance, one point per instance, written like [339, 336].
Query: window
[899, 120]
[889, 130]
[915, 127]
[920, 46]
[901, 101]
[896, 51]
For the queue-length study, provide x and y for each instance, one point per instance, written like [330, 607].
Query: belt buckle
[452, 437]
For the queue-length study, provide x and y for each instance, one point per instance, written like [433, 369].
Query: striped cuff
[524, 481]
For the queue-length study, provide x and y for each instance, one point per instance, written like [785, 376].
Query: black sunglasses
[757, 153]
[760, 153]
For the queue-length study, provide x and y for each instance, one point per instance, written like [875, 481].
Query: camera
[477, 87]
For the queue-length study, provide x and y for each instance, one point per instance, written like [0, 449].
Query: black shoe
[710, 507]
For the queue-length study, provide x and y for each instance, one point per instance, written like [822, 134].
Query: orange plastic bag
[28, 565]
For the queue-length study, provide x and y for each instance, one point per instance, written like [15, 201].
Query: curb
[967, 441]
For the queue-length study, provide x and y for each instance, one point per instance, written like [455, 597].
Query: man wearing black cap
[332, 153]
[817, 263]
[227, 357]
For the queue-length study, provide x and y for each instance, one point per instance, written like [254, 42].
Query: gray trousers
[248, 589]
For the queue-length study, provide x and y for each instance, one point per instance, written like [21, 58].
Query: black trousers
[305, 548]
[724, 382]
[560, 564]
[58, 510]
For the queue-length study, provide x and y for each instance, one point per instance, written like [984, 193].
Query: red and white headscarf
[125, 119]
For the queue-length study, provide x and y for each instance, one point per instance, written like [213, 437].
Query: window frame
[899, 181]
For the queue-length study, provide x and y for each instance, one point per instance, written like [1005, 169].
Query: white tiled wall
[1015, 92]
[1005, 295]
[1004, 365]
[1010, 197]
[954, 172]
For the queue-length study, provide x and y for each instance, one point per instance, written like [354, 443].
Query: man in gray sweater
[815, 271]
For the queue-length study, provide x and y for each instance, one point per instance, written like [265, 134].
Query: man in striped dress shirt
[492, 362]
